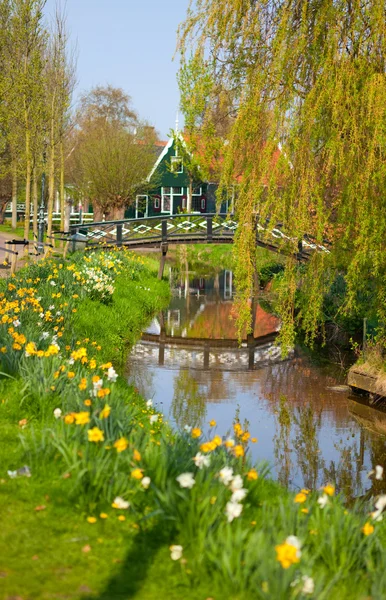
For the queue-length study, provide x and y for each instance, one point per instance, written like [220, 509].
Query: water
[308, 428]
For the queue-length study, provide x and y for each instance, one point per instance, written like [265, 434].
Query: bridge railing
[155, 230]
[187, 228]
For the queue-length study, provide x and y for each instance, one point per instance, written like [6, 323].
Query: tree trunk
[98, 212]
[35, 203]
[14, 194]
[51, 183]
[27, 188]
[61, 187]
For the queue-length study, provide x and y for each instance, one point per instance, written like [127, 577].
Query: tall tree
[113, 151]
[28, 39]
[59, 78]
[310, 76]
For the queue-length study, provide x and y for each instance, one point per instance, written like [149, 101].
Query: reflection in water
[308, 431]
[188, 405]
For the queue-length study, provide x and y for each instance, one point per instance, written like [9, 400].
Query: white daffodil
[378, 471]
[153, 419]
[233, 510]
[97, 385]
[323, 500]
[187, 428]
[112, 374]
[294, 541]
[45, 335]
[239, 495]
[200, 460]
[16, 323]
[149, 403]
[236, 483]
[186, 480]
[226, 475]
[71, 361]
[175, 552]
[52, 282]
[379, 505]
[308, 585]
[120, 503]
[57, 413]
[145, 482]
[12, 474]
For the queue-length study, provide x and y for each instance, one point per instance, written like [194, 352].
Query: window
[177, 191]
[203, 202]
[176, 164]
[156, 202]
[197, 191]
[141, 206]
[166, 200]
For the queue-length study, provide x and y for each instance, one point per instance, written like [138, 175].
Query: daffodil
[95, 435]
[289, 552]
[186, 480]
[121, 444]
[368, 529]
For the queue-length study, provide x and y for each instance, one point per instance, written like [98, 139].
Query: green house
[170, 194]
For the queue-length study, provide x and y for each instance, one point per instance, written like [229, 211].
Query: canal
[309, 429]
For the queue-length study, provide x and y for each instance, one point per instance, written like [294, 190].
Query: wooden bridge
[186, 229]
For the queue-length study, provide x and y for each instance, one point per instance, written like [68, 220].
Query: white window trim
[198, 194]
[157, 202]
[173, 160]
[136, 205]
[203, 202]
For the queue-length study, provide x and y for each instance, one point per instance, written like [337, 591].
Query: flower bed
[224, 528]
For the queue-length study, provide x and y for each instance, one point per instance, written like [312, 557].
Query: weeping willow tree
[306, 77]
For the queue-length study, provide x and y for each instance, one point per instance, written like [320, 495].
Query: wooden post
[164, 230]
[119, 235]
[164, 250]
[209, 229]
[13, 259]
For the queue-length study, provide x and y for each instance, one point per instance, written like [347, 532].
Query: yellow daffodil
[368, 529]
[91, 519]
[196, 432]
[238, 451]
[137, 473]
[252, 475]
[95, 435]
[300, 498]
[212, 423]
[329, 489]
[136, 455]
[105, 411]
[121, 444]
[82, 418]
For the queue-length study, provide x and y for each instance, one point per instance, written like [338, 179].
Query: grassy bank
[119, 506]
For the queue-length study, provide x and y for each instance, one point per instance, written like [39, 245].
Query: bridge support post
[164, 251]
[209, 230]
[119, 235]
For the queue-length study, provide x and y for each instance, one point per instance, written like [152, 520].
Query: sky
[129, 44]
